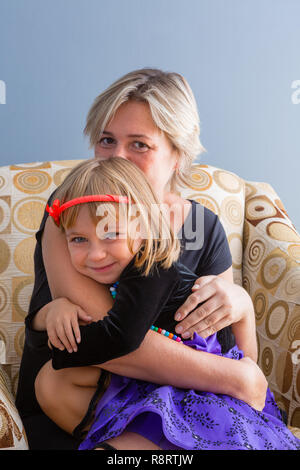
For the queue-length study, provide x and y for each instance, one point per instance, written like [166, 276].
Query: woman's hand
[62, 324]
[222, 303]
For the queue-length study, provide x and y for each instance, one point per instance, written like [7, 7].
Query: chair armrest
[271, 275]
[12, 435]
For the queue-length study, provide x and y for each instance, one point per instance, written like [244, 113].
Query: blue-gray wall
[240, 57]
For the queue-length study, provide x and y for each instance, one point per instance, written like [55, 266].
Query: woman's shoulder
[202, 219]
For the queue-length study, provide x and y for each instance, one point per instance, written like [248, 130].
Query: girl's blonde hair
[173, 108]
[120, 177]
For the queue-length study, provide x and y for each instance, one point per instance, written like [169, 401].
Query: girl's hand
[62, 324]
[222, 304]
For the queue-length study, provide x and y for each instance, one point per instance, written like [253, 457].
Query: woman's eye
[140, 146]
[106, 141]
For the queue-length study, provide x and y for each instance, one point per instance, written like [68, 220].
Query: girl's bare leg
[131, 441]
[64, 395]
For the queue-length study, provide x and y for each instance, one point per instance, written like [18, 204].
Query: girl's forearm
[39, 320]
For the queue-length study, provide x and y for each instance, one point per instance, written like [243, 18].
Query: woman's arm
[164, 361]
[223, 303]
[157, 358]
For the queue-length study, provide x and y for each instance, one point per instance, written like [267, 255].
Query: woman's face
[132, 134]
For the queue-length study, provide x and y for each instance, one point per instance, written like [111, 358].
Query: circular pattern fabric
[284, 363]
[276, 318]
[200, 179]
[228, 181]
[282, 232]
[5, 256]
[236, 247]
[5, 212]
[23, 255]
[260, 303]
[60, 175]
[259, 208]
[256, 252]
[27, 214]
[4, 296]
[267, 358]
[206, 201]
[32, 181]
[232, 210]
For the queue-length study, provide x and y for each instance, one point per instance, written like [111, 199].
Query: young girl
[104, 208]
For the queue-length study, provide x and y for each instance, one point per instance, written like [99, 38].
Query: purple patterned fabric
[176, 418]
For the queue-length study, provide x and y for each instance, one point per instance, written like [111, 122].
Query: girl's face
[100, 256]
[132, 134]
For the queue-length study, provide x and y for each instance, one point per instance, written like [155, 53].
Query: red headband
[57, 209]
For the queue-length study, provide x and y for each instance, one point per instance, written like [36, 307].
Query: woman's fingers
[202, 313]
[209, 324]
[190, 315]
[199, 295]
[214, 323]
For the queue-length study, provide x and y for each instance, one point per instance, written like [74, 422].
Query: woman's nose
[120, 151]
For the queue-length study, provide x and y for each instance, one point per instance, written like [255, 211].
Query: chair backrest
[223, 193]
[24, 190]
[271, 275]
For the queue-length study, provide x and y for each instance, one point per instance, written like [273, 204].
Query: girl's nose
[97, 253]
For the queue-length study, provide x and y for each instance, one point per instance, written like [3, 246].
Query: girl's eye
[78, 240]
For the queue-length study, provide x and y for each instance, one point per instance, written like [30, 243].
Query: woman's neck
[179, 209]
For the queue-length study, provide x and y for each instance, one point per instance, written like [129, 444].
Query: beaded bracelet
[113, 291]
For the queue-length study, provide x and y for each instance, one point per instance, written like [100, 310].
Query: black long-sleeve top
[112, 336]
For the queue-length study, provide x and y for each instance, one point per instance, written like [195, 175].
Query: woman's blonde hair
[173, 108]
[118, 176]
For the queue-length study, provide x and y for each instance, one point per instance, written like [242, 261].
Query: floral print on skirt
[175, 418]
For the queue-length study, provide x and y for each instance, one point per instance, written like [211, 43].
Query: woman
[150, 118]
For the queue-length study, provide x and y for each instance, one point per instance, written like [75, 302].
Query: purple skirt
[175, 418]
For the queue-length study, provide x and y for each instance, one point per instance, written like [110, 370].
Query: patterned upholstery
[265, 249]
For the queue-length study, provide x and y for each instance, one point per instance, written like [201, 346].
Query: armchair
[265, 249]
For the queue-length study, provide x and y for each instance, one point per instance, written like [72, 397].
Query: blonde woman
[118, 236]
[150, 118]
